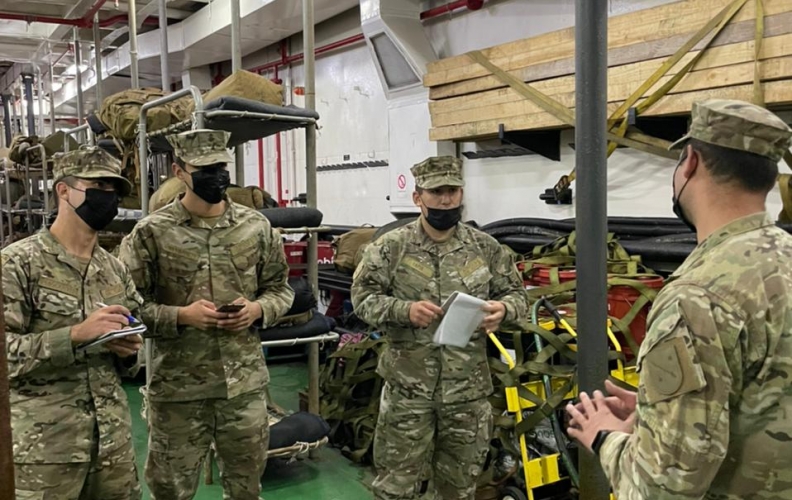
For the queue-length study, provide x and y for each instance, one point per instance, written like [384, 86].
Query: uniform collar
[458, 240]
[735, 228]
[52, 246]
[227, 219]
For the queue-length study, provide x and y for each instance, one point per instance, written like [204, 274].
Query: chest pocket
[57, 304]
[178, 266]
[114, 294]
[245, 257]
[476, 277]
[412, 279]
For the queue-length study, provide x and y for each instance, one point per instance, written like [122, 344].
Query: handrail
[77, 130]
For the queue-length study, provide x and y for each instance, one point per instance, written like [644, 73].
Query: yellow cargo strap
[561, 112]
[717, 24]
[758, 94]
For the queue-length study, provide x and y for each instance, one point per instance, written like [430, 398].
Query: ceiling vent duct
[398, 43]
[401, 51]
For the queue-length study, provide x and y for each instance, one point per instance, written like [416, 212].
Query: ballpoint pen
[129, 317]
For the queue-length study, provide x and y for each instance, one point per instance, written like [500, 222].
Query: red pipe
[89, 16]
[451, 7]
[43, 19]
[286, 60]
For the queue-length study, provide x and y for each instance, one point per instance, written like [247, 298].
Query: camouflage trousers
[180, 435]
[418, 439]
[114, 477]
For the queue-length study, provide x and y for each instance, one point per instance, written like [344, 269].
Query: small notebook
[462, 316]
[136, 329]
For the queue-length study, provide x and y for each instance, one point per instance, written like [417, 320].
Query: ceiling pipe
[451, 7]
[286, 60]
[124, 19]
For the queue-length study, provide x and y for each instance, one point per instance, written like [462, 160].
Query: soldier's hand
[424, 313]
[100, 322]
[200, 314]
[242, 319]
[621, 402]
[596, 416]
[125, 346]
[496, 311]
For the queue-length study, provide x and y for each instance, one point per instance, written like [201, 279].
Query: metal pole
[40, 99]
[51, 90]
[27, 81]
[7, 119]
[133, 45]
[78, 71]
[97, 36]
[310, 180]
[236, 65]
[591, 91]
[144, 170]
[15, 129]
[163, 26]
[6, 443]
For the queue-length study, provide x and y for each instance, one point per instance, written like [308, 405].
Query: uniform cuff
[167, 325]
[59, 345]
[401, 313]
[611, 450]
[511, 311]
[267, 316]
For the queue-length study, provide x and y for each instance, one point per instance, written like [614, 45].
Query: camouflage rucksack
[19, 147]
[120, 113]
[350, 394]
[349, 248]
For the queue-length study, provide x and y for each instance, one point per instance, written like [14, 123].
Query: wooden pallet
[470, 103]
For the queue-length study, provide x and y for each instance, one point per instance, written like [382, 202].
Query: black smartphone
[231, 308]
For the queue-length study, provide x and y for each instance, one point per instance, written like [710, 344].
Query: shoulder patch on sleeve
[669, 371]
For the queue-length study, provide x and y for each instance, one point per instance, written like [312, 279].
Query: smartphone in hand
[230, 308]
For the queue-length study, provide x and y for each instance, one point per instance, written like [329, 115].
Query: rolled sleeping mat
[532, 230]
[390, 226]
[318, 325]
[97, 127]
[292, 218]
[299, 427]
[304, 299]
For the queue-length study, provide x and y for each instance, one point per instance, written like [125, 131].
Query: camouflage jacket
[175, 260]
[405, 266]
[714, 399]
[59, 397]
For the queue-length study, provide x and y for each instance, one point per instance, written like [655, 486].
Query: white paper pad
[463, 316]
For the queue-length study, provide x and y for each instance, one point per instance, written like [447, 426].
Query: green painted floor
[328, 477]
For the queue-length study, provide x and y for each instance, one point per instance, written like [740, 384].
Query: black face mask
[210, 184]
[443, 220]
[99, 208]
[677, 206]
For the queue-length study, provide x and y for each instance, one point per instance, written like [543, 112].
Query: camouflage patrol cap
[200, 148]
[438, 171]
[90, 163]
[738, 125]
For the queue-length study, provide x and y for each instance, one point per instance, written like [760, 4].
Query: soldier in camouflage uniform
[208, 376]
[69, 415]
[435, 421]
[712, 414]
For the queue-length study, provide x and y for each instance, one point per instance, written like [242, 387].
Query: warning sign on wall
[401, 182]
